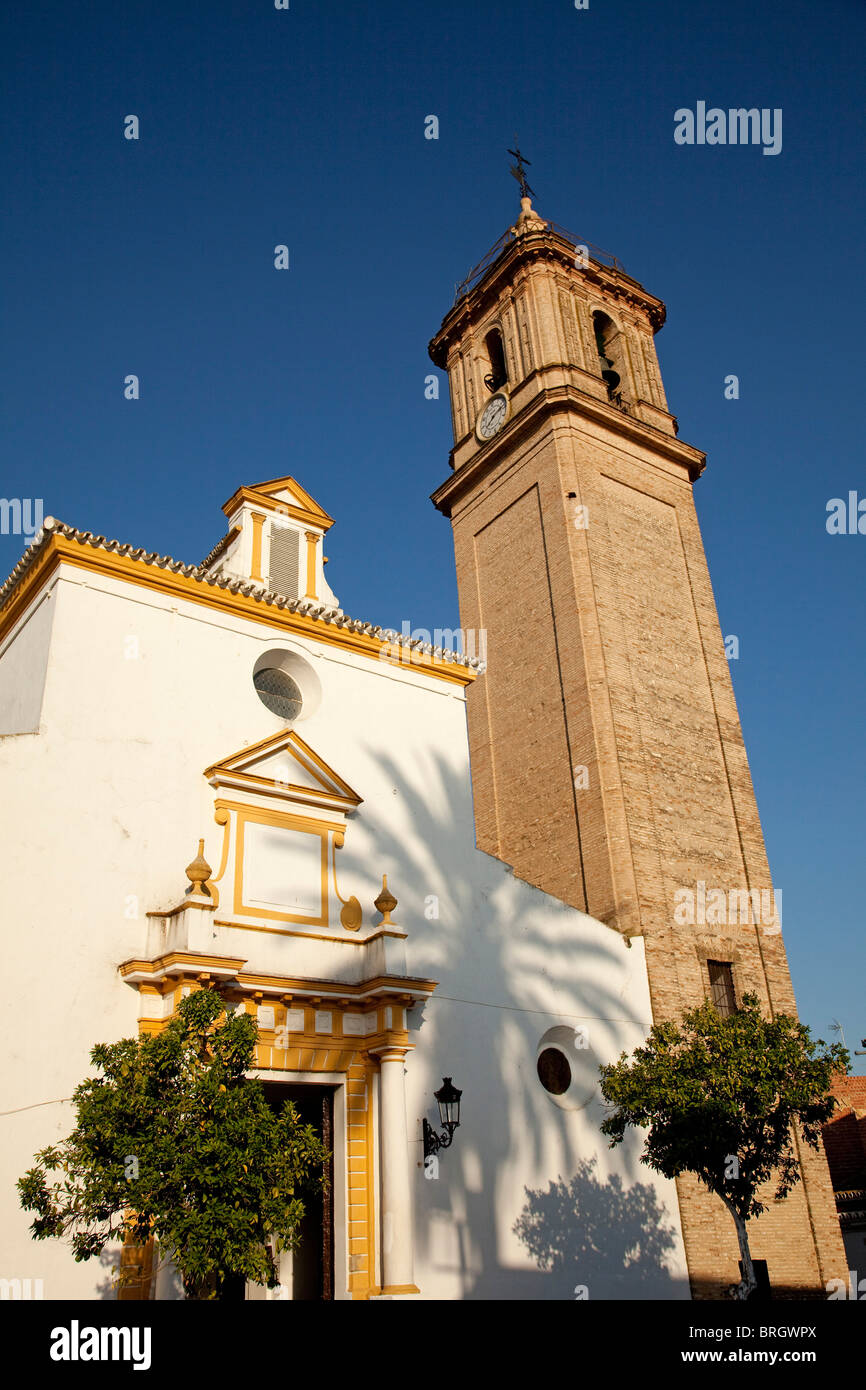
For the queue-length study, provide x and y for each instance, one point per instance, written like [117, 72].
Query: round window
[554, 1073]
[567, 1066]
[278, 692]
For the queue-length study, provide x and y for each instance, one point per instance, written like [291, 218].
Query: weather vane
[518, 171]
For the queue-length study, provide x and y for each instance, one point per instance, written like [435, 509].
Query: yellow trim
[251, 781]
[189, 962]
[312, 542]
[235, 765]
[351, 914]
[305, 499]
[258, 520]
[307, 935]
[107, 563]
[287, 821]
[369, 1067]
[304, 509]
[397, 986]
[222, 816]
[399, 990]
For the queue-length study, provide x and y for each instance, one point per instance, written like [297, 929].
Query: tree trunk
[749, 1281]
[200, 1288]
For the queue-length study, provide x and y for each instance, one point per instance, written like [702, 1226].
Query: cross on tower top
[518, 171]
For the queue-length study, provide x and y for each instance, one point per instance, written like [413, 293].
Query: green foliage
[174, 1141]
[714, 1088]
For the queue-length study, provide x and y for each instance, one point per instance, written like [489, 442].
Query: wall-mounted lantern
[448, 1100]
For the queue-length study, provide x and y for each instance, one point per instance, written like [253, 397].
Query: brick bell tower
[608, 765]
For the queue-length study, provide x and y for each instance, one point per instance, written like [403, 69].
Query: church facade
[395, 900]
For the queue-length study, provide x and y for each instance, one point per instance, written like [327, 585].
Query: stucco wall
[104, 809]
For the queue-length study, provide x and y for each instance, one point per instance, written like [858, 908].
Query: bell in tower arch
[608, 373]
[605, 330]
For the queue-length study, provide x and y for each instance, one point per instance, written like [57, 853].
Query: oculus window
[278, 692]
[554, 1073]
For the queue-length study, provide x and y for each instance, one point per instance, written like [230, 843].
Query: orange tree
[174, 1141]
[721, 1098]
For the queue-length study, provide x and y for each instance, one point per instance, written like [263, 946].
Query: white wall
[23, 663]
[103, 811]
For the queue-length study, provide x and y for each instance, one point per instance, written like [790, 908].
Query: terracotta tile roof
[309, 608]
[845, 1135]
[851, 1090]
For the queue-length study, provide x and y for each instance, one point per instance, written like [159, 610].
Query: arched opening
[609, 353]
[496, 376]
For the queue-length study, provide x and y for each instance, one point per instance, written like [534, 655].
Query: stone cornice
[58, 544]
[405, 990]
[554, 400]
[545, 245]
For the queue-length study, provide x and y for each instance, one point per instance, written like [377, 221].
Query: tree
[173, 1141]
[722, 1098]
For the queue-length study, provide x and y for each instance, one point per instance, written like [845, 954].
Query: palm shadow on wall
[522, 963]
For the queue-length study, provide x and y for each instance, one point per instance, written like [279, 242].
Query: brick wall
[605, 654]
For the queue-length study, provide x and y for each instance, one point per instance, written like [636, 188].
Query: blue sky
[306, 127]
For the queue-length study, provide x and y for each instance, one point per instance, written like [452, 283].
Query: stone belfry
[608, 765]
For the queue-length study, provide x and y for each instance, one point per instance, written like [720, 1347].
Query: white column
[397, 1246]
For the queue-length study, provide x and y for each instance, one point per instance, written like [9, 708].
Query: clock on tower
[608, 765]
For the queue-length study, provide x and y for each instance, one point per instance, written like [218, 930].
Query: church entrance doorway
[307, 1274]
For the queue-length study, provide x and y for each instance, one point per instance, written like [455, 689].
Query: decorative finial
[385, 903]
[198, 873]
[518, 171]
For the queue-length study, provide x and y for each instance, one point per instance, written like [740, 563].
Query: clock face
[493, 416]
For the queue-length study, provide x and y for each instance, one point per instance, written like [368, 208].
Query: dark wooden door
[313, 1261]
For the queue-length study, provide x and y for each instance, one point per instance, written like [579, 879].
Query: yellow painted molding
[81, 554]
[169, 971]
[304, 508]
[393, 1050]
[312, 538]
[307, 935]
[286, 791]
[300, 825]
[333, 787]
[188, 962]
[279, 820]
[222, 816]
[258, 520]
[351, 913]
[382, 990]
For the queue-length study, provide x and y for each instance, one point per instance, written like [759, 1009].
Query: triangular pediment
[283, 495]
[289, 490]
[285, 766]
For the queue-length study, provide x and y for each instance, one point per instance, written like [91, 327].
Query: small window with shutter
[284, 571]
[722, 986]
